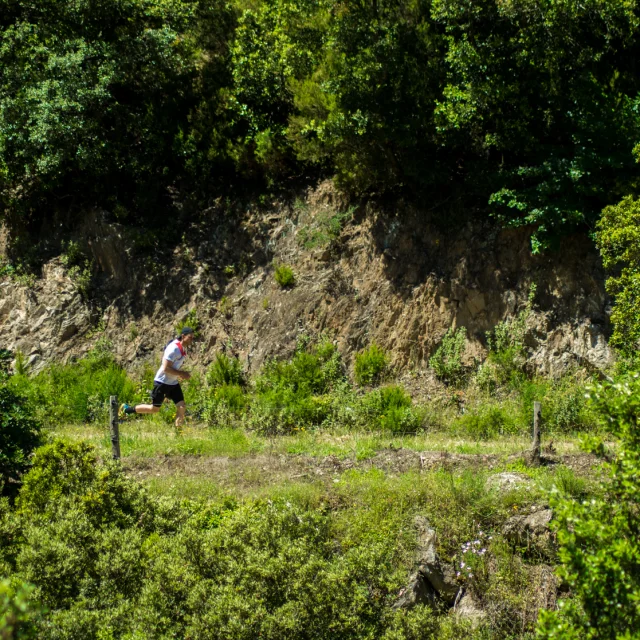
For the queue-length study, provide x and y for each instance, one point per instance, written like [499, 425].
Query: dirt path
[262, 469]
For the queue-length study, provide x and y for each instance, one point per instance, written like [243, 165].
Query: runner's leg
[146, 408]
[181, 409]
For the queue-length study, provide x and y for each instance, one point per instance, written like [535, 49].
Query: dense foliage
[598, 538]
[19, 430]
[108, 560]
[75, 392]
[108, 102]
[525, 110]
[619, 243]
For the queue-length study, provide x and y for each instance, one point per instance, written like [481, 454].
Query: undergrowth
[107, 558]
[312, 391]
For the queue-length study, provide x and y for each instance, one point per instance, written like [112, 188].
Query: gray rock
[507, 481]
[531, 531]
[68, 330]
[439, 575]
[442, 577]
[418, 591]
[468, 609]
[426, 541]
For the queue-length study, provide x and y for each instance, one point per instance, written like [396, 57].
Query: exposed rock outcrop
[434, 580]
[466, 608]
[531, 531]
[390, 276]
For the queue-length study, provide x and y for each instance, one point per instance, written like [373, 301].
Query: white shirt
[176, 357]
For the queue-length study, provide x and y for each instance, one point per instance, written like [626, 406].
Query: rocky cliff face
[366, 274]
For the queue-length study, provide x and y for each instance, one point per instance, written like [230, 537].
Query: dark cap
[185, 331]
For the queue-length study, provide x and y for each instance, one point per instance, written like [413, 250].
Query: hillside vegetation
[309, 497]
[288, 506]
[523, 110]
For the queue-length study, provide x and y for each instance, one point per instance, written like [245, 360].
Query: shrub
[19, 436]
[225, 371]
[76, 392]
[507, 354]
[225, 306]
[485, 422]
[67, 477]
[284, 276]
[371, 365]
[226, 402]
[390, 408]
[293, 394]
[192, 321]
[325, 230]
[447, 360]
[565, 409]
[18, 612]
[598, 539]
[59, 469]
[618, 239]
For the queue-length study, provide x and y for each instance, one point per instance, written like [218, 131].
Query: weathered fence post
[114, 428]
[537, 419]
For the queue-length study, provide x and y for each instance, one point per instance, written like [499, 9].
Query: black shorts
[162, 391]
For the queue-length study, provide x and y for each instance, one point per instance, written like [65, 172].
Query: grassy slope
[373, 486]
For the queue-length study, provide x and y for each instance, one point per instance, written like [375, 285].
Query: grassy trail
[214, 463]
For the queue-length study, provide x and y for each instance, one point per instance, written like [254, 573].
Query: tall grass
[76, 392]
[310, 391]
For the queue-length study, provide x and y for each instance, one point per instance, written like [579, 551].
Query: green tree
[542, 103]
[108, 102]
[348, 87]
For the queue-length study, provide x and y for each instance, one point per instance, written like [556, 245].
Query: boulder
[466, 608]
[531, 531]
[426, 541]
[440, 576]
[418, 591]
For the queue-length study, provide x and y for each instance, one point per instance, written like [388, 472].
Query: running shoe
[125, 409]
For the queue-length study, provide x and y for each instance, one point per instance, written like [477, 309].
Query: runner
[166, 383]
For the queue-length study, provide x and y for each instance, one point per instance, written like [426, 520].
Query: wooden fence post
[114, 427]
[537, 419]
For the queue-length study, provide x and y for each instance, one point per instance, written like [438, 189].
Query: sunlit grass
[145, 437]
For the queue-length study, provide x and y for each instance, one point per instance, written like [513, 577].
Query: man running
[166, 383]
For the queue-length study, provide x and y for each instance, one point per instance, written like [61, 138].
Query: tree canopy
[520, 109]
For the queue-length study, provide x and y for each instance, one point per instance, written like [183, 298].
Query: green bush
[225, 405]
[294, 394]
[565, 408]
[371, 365]
[325, 229]
[486, 422]
[507, 353]
[389, 408]
[192, 321]
[284, 276]
[18, 612]
[106, 560]
[312, 371]
[19, 436]
[618, 239]
[225, 370]
[447, 360]
[76, 392]
[598, 540]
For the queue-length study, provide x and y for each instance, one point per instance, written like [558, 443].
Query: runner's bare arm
[168, 368]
